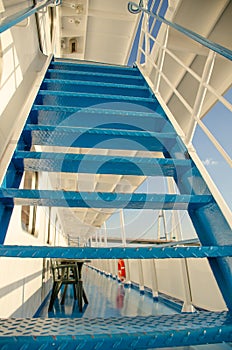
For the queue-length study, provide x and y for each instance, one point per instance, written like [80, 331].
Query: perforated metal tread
[117, 333]
[95, 138]
[115, 252]
[94, 76]
[88, 67]
[100, 164]
[71, 199]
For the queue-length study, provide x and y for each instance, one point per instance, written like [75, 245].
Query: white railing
[150, 60]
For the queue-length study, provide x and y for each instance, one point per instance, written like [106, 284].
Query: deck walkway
[107, 298]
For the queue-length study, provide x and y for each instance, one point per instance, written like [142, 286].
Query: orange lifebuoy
[121, 270]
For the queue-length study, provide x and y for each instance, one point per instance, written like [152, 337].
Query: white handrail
[203, 81]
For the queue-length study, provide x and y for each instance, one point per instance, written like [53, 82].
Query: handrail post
[141, 277]
[160, 63]
[208, 69]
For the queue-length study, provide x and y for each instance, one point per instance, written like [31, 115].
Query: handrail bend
[221, 50]
[8, 22]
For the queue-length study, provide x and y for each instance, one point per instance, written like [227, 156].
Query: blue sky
[219, 122]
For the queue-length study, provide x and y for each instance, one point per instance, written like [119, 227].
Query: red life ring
[121, 270]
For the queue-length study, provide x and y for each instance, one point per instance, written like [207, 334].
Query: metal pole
[154, 279]
[141, 277]
[123, 232]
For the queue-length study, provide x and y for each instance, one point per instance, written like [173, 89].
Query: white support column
[96, 238]
[164, 225]
[107, 262]
[105, 234]
[158, 228]
[161, 216]
[141, 278]
[126, 261]
[154, 280]
[123, 232]
[127, 282]
[115, 266]
[112, 268]
[187, 306]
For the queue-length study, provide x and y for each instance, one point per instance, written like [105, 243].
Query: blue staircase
[106, 107]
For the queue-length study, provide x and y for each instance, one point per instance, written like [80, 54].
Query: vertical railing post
[160, 62]
[123, 232]
[146, 29]
[187, 305]
[141, 39]
[141, 277]
[201, 93]
[107, 262]
[126, 261]
[154, 279]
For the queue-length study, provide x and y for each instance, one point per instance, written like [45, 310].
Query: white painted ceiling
[104, 30]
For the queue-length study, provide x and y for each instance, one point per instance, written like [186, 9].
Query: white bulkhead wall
[26, 282]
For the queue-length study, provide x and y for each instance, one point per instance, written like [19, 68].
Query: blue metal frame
[97, 137]
[140, 332]
[149, 252]
[73, 199]
[208, 220]
[97, 164]
[221, 50]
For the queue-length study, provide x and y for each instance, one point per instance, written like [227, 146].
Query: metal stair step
[95, 87]
[75, 99]
[83, 67]
[149, 252]
[141, 332]
[97, 77]
[73, 199]
[97, 138]
[91, 117]
[98, 164]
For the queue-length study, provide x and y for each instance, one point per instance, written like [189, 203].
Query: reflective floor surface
[108, 298]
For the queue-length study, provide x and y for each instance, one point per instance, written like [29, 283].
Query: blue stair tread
[95, 84]
[98, 77]
[94, 95]
[75, 99]
[96, 73]
[74, 199]
[149, 252]
[91, 87]
[96, 137]
[92, 117]
[119, 333]
[95, 77]
[100, 164]
[83, 67]
[143, 112]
